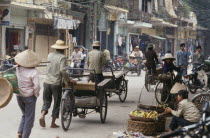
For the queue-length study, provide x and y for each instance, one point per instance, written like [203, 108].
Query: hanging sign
[4, 15]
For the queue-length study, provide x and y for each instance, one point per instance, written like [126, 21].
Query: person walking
[95, 61]
[182, 59]
[83, 50]
[198, 57]
[107, 56]
[151, 58]
[29, 87]
[53, 82]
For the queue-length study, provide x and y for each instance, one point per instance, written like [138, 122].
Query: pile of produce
[151, 114]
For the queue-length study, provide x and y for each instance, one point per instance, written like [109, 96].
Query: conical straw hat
[177, 87]
[168, 56]
[6, 92]
[27, 59]
[60, 44]
[132, 55]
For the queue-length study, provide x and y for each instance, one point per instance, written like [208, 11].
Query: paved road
[80, 128]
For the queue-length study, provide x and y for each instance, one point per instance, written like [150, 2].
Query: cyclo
[130, 66]
[86, 95]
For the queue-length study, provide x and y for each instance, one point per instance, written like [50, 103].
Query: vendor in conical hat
[29, 87]
[168, 66]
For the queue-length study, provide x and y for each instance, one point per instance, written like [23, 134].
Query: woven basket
[6, 92]
[147, 128]
[135, 118]
[160, 124]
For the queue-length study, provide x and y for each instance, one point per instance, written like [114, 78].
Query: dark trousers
[178, 121]
[50, 91]
[99, 77]
[152, 70]
[27, 106]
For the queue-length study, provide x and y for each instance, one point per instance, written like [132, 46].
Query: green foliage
[202, 10]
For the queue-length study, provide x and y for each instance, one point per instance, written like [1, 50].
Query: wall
[18, 17]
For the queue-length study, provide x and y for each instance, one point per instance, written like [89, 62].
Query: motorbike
[199, 78]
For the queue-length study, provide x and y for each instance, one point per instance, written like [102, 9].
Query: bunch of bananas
[163, 106]
[152, 114]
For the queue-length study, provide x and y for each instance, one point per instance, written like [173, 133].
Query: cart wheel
[103, 108]
[66, 112]
[123, 91]
[147, 83]
[162, 93]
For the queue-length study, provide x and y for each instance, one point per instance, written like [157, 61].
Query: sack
[127, 65]
[12, 78]
[164, 77]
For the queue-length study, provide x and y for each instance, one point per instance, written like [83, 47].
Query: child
[29, 87]
[186, 114]
[168, 66]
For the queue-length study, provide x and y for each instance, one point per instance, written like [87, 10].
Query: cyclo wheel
[103, 107]
[123, 91]
[147, 84]
[200, 99]
[162, 92]
[66, 111]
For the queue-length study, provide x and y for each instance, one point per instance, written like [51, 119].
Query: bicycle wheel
[103, 108]
[147, 83]
[123, 91]
[162, 93]
[66, 112]
[200, 99]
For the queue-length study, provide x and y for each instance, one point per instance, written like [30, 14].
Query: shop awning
[161, 22]
[156, 37]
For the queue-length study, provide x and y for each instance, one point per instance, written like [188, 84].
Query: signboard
[16, 47]
[4, 15]
[64, 23]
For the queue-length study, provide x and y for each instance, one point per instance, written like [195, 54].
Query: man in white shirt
[77, 57]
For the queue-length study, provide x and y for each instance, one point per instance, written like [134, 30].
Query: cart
[84, 98]
[118, 85]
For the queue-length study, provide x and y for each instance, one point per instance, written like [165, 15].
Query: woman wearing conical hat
[168, 66]
[29, 87]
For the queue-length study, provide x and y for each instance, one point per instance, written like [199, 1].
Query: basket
[11, 76]
[147, 128]
[6, 92]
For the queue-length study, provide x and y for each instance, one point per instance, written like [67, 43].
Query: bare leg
[53, 125]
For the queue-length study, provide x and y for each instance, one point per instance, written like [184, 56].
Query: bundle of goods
[147, 121]
[164, 77]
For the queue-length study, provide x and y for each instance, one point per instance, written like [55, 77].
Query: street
[90, 127]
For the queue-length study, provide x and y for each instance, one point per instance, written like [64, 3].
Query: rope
[141, 94]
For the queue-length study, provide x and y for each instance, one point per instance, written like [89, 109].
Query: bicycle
[200, 99]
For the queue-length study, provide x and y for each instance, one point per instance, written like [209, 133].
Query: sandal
[54, 126]
[42, 122]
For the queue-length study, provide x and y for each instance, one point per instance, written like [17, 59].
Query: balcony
[140, 16]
